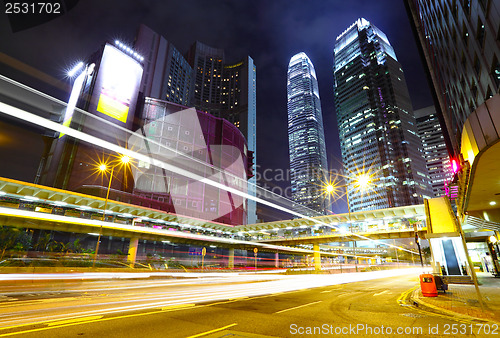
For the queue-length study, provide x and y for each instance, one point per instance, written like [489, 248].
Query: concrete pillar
[317, 257]
[230, 259]
[132, 251]
[277, 260]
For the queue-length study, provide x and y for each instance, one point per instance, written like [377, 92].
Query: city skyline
[128, 135]
[269, 45]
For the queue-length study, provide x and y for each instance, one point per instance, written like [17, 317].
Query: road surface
[249, 305]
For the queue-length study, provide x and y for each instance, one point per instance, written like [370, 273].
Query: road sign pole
[203, 253]
[255, 250]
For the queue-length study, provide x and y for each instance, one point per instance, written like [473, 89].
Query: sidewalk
[462, 301]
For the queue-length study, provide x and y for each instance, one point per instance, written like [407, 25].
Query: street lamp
[103, 168]
[361, 181]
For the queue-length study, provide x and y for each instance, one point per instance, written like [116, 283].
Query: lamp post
[103, 168]
[362, 181]
[396, 249]
[412, 256]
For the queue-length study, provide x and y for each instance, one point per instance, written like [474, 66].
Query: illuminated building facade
[306, 137]
[204, 145]
[459, 42]
[377, 128]
[167, 74]
[227, 91]
[435, 151]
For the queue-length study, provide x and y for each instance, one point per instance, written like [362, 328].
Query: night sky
[270, 31]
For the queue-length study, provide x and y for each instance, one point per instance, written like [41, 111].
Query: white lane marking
[298, 307]
[381, 293]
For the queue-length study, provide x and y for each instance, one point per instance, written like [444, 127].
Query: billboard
[117, 84]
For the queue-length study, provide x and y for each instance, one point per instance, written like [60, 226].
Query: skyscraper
[459, 45]
[459, 42]
[167, 74]
[228, 91]
[377, 128]
[306, 136]
[435, 151]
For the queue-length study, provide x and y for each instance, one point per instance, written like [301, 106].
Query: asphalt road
[189, 308]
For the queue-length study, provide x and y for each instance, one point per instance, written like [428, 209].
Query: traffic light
[455, 166]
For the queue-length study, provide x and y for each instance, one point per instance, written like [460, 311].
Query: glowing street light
[103, 168]
[362, 181]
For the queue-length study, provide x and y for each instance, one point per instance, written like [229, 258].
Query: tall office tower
[227, 91]
[459, 41]
[207, 63]
[306, 137]
[167, 74]
[435, 151]
[377, 128]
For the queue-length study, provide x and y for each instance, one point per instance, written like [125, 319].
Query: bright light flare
[103, 167]
[75, 69]
[363, 181]
[125, 159]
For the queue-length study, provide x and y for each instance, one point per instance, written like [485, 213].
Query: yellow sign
[440, 216]
[113, 108]
[46, 210]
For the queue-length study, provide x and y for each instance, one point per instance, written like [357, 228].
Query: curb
[415, 299]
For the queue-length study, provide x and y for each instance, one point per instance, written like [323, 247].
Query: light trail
[42, 122]
[238, 288]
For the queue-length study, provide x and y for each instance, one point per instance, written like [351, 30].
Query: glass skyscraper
[306, 136]
[435, 152]
[459, 44]
[377, 128]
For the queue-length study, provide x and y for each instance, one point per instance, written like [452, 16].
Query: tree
[13, 239]
[44, 242]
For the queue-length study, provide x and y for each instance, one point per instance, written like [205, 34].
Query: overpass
[27, 205]
[34, 206]
[392, 223]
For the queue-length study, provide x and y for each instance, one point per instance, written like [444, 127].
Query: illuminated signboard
[120, 76]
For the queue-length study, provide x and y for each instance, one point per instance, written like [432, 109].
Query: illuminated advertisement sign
[120, 76]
